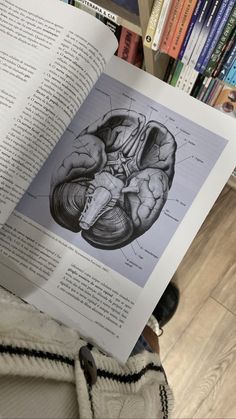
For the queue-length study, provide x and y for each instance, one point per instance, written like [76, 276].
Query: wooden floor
[198, 347]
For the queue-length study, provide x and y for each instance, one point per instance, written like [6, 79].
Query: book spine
[182, 26]
[207, 33]
[152, 23]
[169, 67]
[197, 85]
[170, 25]
[229, 26]
[208, 90]
[180, 80]
[190, 29]
[161, 24]
[218, 89]
[228, 58]
[211, 94]
[128, 45]
[177, 72]
[191, 81]
[231, 76]
[215, 33]
[195, 33]
[98, 9]
[172, 71]
[229, 53]
[201, 37]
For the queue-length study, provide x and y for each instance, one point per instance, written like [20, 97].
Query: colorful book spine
[152, 23]
[182, 26]
[206, 30]
[161, 24]
[195, 33]
[171, 22]
[227, 58]
[231, 76]
[200, 39]
[228, 28]
[190, 28]
[128, 47]
[216, 31]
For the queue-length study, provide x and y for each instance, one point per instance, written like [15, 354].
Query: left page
[105, 223]
[51, 54]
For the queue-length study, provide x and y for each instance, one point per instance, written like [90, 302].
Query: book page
[104, 225]
[50, 57]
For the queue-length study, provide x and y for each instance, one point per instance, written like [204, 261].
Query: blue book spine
[190, 28]
[197, 48]
[231, 56]
[195, 33]
[206, 32]
[217, 28]
[231, 76]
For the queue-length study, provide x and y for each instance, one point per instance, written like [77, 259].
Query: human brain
[115, 182]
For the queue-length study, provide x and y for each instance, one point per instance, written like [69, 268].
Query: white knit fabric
[24, 327]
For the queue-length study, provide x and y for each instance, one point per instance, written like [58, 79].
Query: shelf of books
[190, 44]
[199, 36]
[128, 20]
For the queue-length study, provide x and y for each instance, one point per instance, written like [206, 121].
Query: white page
[104, 288]
[50, 56]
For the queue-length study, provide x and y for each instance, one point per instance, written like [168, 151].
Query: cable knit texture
[34, 345]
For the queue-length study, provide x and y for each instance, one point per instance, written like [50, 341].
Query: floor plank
[225, 292]
[209, 262]
[201, 368]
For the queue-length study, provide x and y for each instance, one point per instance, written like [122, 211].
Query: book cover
[152, 23]
[128, 47]
[195, 32]
[226, 101]
[227, 58]
[190, 28]
[171, 22]
[228, 28]
[216, 31]
[206, 33]
[181, 28]
[161, 24]
[198, 44]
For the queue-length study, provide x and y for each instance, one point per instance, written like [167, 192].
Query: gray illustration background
[197, 152]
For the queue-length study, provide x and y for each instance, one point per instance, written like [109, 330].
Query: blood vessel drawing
[114, 184]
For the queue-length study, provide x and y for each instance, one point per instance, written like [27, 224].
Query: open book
[106, 173]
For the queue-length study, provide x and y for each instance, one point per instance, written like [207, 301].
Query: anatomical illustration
[113, 185]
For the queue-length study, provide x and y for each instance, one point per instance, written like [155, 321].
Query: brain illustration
[114, 184]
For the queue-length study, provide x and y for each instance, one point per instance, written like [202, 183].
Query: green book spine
[176, 74]
[230, 25]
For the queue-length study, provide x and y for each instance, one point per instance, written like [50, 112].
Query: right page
[103, 227]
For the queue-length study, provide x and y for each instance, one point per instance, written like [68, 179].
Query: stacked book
[199, 36]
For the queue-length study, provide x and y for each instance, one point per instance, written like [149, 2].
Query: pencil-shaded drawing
[114, 184]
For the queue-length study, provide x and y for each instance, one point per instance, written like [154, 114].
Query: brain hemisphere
[147, 193]
[115, 182]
